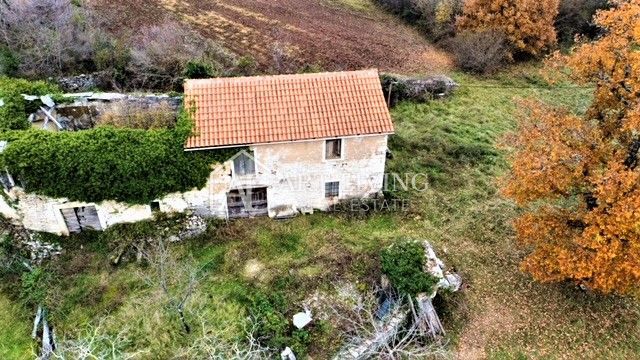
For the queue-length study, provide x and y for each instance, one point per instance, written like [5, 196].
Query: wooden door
[81, 218]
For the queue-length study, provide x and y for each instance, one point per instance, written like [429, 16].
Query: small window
[244, 164]
[155, 206]
[331, 189]
[333, 149]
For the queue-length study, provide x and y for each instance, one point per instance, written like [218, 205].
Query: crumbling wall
[293, 173]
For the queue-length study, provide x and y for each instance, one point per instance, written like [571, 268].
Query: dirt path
[310, 31]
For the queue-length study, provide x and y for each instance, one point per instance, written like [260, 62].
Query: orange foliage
[579, 177]
[527, 24]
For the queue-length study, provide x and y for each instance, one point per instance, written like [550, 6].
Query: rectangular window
[333, 149]
[331, 189]
[244, 164]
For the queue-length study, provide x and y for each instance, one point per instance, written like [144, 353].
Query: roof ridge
[324, 74]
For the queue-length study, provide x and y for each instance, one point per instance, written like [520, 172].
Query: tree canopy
[527, 24]
[578, 176]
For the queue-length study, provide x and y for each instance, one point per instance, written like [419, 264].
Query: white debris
[1, 103]
[47, 100]
[435, 267]
[29, 97]
[78, 95]
[302, 319]
[287, 354]
[108, 96]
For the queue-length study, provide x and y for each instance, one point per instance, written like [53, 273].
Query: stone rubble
[40, 250]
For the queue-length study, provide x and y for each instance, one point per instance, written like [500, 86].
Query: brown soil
[308, 31]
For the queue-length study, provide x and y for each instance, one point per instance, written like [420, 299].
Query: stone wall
[293, 173]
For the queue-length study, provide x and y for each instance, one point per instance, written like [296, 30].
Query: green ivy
[403, 263]
[15, 111]
[105, 163]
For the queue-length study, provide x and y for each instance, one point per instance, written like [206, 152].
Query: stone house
[304, 142]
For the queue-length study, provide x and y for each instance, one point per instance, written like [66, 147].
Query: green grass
[15, 332]
[501, 314]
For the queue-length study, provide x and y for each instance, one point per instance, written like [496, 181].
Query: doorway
[247, 202]
[81, 218]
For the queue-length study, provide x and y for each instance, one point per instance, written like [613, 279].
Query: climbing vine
[106, 163]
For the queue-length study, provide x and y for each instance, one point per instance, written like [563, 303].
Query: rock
[39, 250]
[193, 226]
[416, 89]
[78, 83]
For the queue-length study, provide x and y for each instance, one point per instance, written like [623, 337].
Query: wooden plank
[71, 219]
[88, 217]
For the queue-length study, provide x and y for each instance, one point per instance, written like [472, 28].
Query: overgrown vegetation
[436, 18]
[15, 111]
[107, 163]
[267, 270]
[404, 262]
[46, 38]
[480, 52]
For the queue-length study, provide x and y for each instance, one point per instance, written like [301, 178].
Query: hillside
[326, 33]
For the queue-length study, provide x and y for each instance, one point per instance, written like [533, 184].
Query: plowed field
[335, 34]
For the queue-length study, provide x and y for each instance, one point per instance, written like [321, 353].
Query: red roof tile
[264, 109]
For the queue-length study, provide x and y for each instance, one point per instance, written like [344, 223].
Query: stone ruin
[82, 111]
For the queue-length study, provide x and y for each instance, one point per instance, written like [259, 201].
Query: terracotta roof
[264, 109]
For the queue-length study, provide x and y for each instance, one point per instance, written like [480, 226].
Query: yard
[269, 269]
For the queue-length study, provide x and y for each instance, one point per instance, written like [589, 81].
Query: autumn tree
[578, 176]
[527, 24]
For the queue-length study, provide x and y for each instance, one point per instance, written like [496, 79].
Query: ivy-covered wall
[106, 163]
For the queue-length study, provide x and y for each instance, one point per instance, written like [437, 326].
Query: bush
[198, 70]
[14, 113]
[162, 54]
[105, 163]
[33, 290]
[403, 263]
[125, 115]
[245, 66]
[481, 52]
[8, 62]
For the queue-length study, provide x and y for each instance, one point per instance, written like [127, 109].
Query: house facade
[304, 142]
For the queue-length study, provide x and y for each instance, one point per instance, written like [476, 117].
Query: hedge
[403, 262]
[106, 163]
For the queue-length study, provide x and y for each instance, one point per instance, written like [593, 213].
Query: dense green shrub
[403, 263]
[198, 70]
[107, 163]
[14, 113]
[8, 61]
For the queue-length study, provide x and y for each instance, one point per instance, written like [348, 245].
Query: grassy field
[281, 265]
